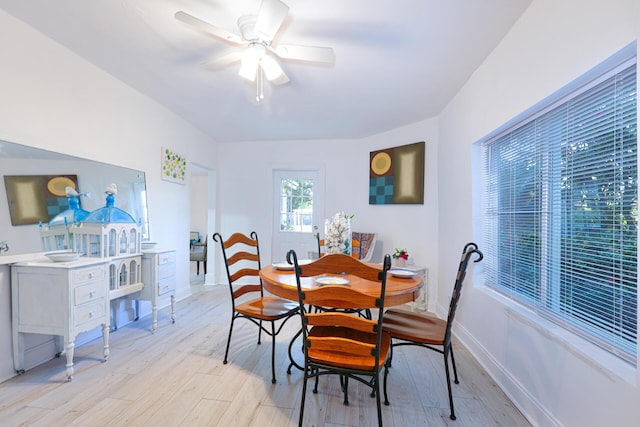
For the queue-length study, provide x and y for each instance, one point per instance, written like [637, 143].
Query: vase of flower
[337, 234]
[400, 257]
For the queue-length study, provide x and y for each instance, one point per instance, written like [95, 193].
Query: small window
[296, 205]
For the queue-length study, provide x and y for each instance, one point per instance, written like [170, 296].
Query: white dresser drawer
[166, 258]
[88, 292]
[166, 285]
[166, 270]
[87, 274]
[89, 312]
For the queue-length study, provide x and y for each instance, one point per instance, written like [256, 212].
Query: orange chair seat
[267, 308]
[418, 327]
[339, 359]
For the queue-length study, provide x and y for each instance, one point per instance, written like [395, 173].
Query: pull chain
[259, 83]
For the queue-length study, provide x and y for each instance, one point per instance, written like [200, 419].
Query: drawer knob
[90, 314]
[91, 275]
[91, 294]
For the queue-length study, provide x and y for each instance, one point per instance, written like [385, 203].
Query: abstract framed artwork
[396, 175]
[36, 198]
[174, 166]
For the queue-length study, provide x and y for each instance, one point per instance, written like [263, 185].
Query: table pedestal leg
[291, 361]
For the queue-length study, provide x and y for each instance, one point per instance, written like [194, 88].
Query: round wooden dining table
[281, 281]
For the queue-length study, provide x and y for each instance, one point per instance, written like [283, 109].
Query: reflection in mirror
[93, 177]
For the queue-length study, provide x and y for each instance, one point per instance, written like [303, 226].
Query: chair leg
[226, 353]
[304, 393]
[446, 370]
[205, 267]
[453, 364]
[345, 388]
[386, 373]
[273, 352]
[377, 392]
[260, 333]
[198, 268]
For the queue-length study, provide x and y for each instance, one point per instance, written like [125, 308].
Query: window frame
[621, 61]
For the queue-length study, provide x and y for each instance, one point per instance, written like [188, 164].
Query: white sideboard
[61, 299]
[422, 302]
[159, 277]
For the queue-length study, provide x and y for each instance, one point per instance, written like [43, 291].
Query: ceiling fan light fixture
[272, 69]
[250, 61]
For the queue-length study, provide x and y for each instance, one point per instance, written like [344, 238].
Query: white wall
[55, 100]
[245, 183]
[554, 377]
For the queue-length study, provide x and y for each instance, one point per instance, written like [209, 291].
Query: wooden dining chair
[336, 342]
[429, 331]
[241, 255]
[355, 247]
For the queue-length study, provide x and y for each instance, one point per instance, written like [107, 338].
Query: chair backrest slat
[242, 256]
[343, 319]
[244, 272]
[340, 263]
[339, 296]
[352, 347]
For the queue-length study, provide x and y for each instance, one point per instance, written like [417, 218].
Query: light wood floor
[176, 377]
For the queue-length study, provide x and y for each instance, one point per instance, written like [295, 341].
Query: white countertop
[12, 259]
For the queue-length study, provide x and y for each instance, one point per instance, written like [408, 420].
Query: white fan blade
[273, 71]
[306, 53]
[270, 17]
[223, 61]
[208, 28]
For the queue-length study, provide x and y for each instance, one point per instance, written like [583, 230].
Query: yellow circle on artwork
[381, 163]
[58, 185]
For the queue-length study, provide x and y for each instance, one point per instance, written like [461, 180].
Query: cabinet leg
[18, 351]
[68, 348]
[137, 310]
[154, 317]
[173, 308]
[115, 307]
[105, 341]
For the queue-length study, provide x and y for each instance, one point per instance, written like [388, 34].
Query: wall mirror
[92, 177]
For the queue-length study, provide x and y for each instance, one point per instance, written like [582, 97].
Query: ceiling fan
[256, 35]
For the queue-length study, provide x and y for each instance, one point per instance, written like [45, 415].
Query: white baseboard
[528, 405]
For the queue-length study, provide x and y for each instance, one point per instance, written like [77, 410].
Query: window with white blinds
[560, 202]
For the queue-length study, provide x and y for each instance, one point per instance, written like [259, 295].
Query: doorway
[202, 220]
[298, 209]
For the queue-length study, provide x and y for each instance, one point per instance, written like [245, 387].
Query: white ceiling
[397, 61]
